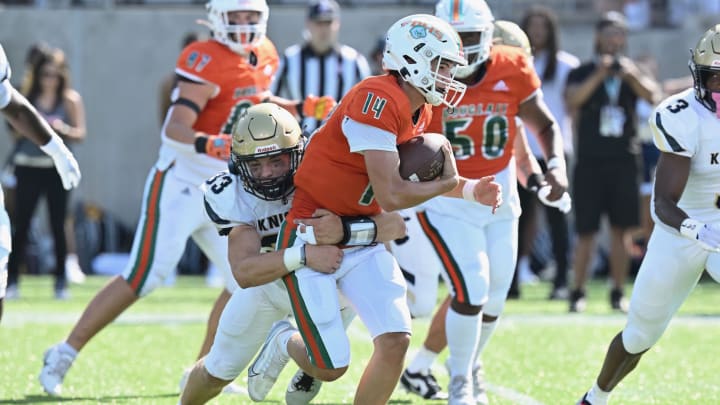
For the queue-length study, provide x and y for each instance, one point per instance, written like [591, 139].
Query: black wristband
[201, 143]
[303, 257]
[534, 181]
[358, 231]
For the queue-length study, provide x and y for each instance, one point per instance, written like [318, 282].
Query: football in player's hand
[422, 158]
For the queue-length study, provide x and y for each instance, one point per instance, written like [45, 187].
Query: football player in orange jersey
[355, 150]
[217, 80]
[477, 247]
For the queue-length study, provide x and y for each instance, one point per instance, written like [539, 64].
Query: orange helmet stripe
[456, 10]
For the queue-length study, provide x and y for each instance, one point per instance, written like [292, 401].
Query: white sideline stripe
[512, 395]
[18, 317]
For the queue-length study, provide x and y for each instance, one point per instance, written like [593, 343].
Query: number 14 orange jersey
[333, 177]
[483, 127]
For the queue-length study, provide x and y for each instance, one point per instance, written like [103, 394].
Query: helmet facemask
[466, 17]
[705, 63]
[268, 188]
[476, 51]
[266, 131]
[240, 38]
[418, 47]
[444, 89]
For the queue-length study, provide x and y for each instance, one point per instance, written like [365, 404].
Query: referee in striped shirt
[320, 66]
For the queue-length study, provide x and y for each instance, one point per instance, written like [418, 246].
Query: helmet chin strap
[716, 98]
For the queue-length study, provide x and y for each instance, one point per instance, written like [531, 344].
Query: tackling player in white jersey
[686, 210]
[23, 116]
[217, 79]
[248, 203]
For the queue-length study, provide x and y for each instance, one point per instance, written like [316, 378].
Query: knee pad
[421, 305]
[639, 336]
[330, 347]
[153, 281]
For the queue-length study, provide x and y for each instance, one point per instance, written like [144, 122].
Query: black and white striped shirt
[303, 73]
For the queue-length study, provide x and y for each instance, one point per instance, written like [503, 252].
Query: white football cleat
[460, 391]
[56, 365]
[268, 364]
[422, 384]
[302, 389]
[478, 382]
[231, 389]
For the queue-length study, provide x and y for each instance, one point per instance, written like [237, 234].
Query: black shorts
[611, 189]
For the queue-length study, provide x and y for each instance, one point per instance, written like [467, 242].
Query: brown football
[422, 158]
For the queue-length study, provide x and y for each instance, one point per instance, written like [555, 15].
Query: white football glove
[564, 203]
[306, 233]
[707, 235]
[65, 163]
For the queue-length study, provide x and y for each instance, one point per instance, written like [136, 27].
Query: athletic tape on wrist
[468, 191]
[358, 231]
[294, 258]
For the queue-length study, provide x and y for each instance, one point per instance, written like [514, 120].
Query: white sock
[486, 332]
[597, 396]
[66, 348]
[284, 338]
[463, 333]
[422, 361]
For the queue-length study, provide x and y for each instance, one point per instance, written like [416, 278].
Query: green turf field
[538, 355]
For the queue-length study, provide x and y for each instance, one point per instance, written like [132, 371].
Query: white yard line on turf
[23, 317]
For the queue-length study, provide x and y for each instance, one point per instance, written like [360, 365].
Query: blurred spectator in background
[319, 71]
[376, 56]
[553, 66]
[638, 14]
[602, 95]
[62, 107]
[168, 83]
[635, 243]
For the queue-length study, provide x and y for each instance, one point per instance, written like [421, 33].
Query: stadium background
[118, 56]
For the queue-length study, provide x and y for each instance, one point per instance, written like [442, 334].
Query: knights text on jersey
[482, 128]
[228, 205]
[683, 126]
[330, 175]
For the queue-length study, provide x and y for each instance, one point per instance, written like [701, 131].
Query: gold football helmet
[266, 130]
[509, 33]
[704, 60]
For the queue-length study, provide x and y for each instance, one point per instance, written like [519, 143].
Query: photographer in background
[601, 95]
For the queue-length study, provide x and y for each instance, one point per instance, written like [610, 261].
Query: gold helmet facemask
[705, 61]
[266, 130]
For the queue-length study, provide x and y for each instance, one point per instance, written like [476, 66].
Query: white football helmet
[413, 44]
[469, 16]
[239, 38]
[705, 59]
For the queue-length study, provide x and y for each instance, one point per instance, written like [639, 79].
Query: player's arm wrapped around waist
[352, 231]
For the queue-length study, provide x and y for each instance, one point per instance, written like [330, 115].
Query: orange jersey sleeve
[483, 127]
[330, 175]
[240, 80]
